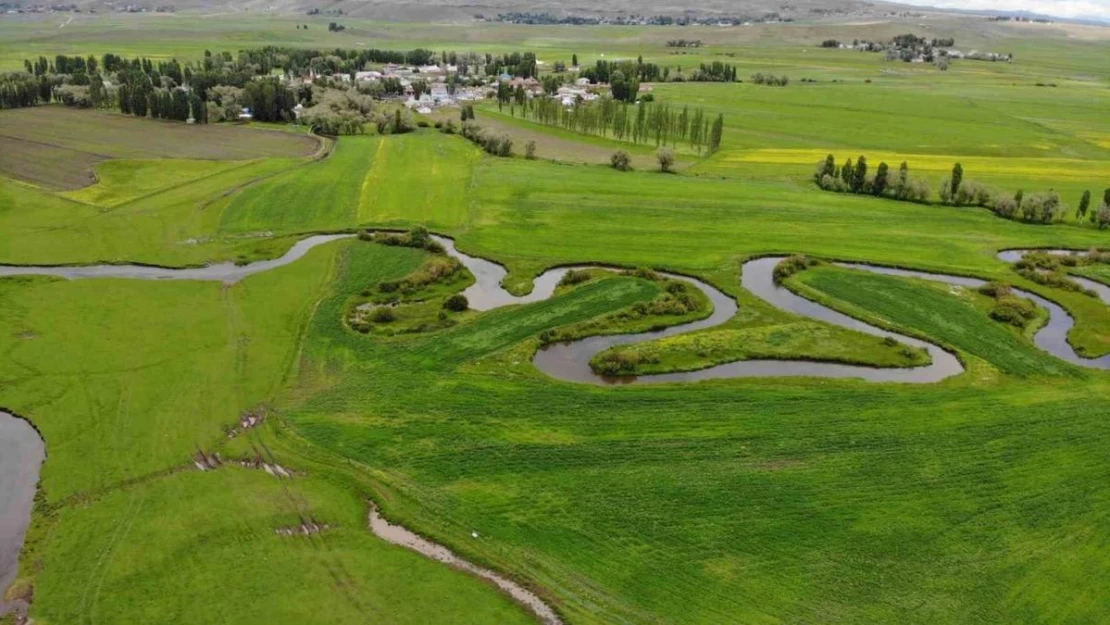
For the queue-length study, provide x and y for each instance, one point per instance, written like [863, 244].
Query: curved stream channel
[571, 361]
[21, 454]
[21, 449]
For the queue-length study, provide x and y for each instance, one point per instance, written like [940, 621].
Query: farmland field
[215, 448]
[64, 144]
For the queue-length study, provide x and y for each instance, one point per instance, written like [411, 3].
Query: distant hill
[556, 10]
[458, 10]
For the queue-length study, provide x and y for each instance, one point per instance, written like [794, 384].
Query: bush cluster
[497, 145]
[574, 276]
[619, 362]
[418, 237]
[1016, 311]
[456, 303]
[995, 289]
[1008, 308]
[1055, 280]
[770, 80]
[792, 265]
[383, 314]
[621, 161]
[1041, 208]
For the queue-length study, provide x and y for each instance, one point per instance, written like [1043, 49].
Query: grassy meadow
[983, 498]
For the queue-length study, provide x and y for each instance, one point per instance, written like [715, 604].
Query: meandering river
[571, 361]
[22, 451]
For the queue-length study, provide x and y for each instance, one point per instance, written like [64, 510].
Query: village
[424, 88]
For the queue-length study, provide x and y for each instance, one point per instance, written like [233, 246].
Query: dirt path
[399, 535]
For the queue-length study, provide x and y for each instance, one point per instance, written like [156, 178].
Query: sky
[1086, 9]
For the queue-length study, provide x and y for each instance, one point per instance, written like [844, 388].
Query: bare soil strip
[398, 535]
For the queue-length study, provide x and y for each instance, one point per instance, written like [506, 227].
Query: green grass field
[982, 498]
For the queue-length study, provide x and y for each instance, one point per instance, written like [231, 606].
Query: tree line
[855, 178]
[956, 190]
[638, 71]
[643, 122]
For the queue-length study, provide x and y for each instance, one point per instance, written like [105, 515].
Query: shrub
[995, 289]
[621, 161]
[505, 146]
[456, 303]
[1102, 217]
[760, 78]
[418, 237]
[530, 150]
[402, 122]
[383, 314]
[617, 362]
[434, 270]
[1013, 310]
[792, 265]
[1005, 207]
[675, 287]
[665, 156]
[1039, 260]
[1053, 280]
[945, 191]
[574, 276]
[918, 191]
[497, 145]
[832, 183]
[646, 274]
[971, 193]
[1042, 208]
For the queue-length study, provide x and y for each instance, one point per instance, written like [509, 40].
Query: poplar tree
[1084, 204]
[880, 179]
[859, 177]
[957, 178]
[715, 135]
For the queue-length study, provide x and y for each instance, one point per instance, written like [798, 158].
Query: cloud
[1098, 9]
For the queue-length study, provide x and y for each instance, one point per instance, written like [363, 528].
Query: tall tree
[957, 178]
[1084, 204]
[715, 134]
[97, 93]
[859, 176]
[880, 179]
[846, 173]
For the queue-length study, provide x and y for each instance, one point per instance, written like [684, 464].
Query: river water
[22, 450]
[21, 455]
